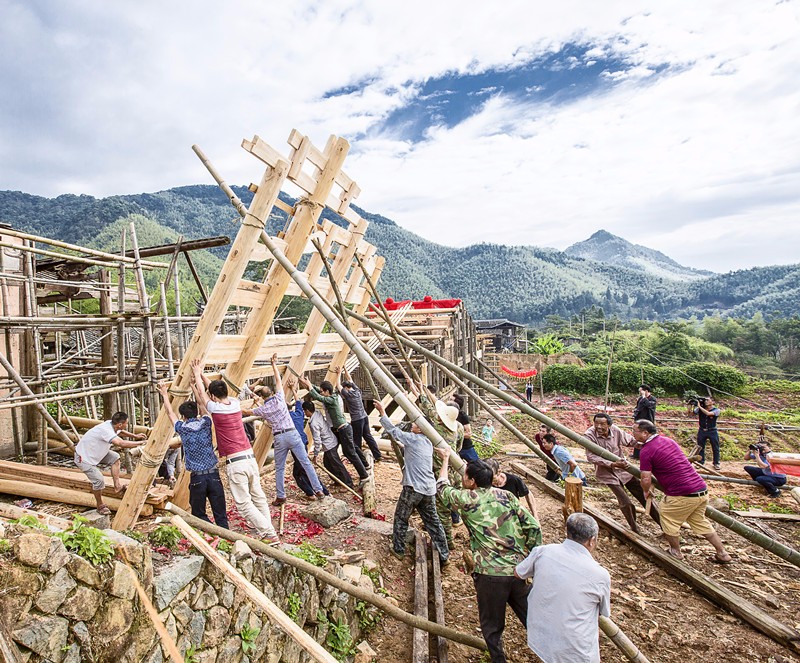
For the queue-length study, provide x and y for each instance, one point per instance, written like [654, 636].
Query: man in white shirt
[570, 591]
[94, 450]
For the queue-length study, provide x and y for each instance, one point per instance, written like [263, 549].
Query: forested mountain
[608, 248]
[522, 283]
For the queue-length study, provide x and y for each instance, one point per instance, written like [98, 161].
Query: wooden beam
[419, 639]
[38, 491]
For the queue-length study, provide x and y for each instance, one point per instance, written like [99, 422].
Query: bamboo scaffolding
[760, 539]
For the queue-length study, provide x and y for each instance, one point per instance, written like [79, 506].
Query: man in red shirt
[244, 480]
[686, 494]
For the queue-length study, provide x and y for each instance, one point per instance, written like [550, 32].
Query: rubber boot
[629, 511]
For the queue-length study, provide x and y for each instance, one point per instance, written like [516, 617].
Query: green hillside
[523, 283]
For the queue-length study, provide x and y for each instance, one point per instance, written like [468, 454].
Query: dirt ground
[665, 618]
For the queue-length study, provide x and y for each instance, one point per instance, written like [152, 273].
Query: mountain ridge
[524, 283]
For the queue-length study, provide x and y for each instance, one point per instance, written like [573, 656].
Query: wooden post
[573, 497]
[107, 343]
[368, 487]
[438, 602]
[167, 333]
[270, 610]
[419, 641]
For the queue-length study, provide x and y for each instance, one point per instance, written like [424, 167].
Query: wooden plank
[250, 294]
[438, 601]
[712, 590]
[419, 639]
[793, 517]
[39, 491]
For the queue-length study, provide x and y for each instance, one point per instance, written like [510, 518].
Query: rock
[123, 582]
[352, 557]
[719, 504]
[57, 556]
[194, 630]
[83, 571]
[352, 573]
[2, 531]
[231, 650]
[772, 602]
[365, 653]
[170, 625]
[376, 526]
[228, 594]
[96, 519]
[246, 567]
[25, 581]
[73, 655]
[81, 634]
[241, 550]
[206, 655]
[173, 577]
[183, 613]
[155, 656]
[55, 591]
[81, 606]
[45, 636]
[216, 627]
[369, 565]
[32, 548]
[114, 618]
[365, 582]
[326, 512]
[205, 596]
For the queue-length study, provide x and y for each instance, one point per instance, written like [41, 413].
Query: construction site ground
[667, 619]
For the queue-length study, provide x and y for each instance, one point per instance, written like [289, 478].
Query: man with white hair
[570, 591]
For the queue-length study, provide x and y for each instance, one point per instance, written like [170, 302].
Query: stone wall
[58, 607]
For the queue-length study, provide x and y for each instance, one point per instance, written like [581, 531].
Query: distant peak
[603, 236]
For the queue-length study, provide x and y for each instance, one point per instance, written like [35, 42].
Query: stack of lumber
[62, 484]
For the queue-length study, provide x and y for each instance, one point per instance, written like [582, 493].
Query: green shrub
[5, 546]
[626, 378]
[293, 606]
[310, 553]
[166, 536]
[368, 616]
[88, 542]
[248, 635]
[30, 521]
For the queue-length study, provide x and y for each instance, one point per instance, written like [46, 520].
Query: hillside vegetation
[523, 283]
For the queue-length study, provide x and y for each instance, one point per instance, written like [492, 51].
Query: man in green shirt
[341, 429]
[501, 534]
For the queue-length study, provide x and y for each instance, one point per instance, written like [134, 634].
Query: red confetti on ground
[349, 540]
[296, 527]
[378, 516]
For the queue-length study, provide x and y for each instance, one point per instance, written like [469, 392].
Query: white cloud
[107, 98]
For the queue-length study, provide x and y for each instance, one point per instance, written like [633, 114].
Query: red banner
[519, 374]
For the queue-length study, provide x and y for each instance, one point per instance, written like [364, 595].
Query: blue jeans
[769, 482]
[710, 436]
[208, 486]
[283, 444]
[468, 454]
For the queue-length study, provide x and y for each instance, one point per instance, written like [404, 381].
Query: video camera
[694, 401]
[755, 447]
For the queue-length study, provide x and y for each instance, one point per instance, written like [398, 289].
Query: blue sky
[672, 125]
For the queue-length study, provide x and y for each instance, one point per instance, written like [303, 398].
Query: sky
[673, 125]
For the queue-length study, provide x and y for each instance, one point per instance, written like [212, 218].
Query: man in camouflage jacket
[501, 535]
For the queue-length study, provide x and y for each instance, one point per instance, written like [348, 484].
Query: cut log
[334, 581]
[12, 511]
[419, 642]
[721, 596]
[573, 497]
[270, 610]
[368, 488]
[39, 491]
[770, 516]
[438, 602]
[621, 641]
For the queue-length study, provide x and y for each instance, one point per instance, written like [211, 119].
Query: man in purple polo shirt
[686, 494]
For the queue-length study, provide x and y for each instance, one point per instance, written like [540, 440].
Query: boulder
[96, 519]
[327, 512]
[241, 550]
[216, 627]
[173, 577]
[55, 591]
[123, 582]
[32, 548]
[81, 606]
[83, 571]
[352, 572]
[114, 618]
[205, 597]
[57, 556]
[382, 527]
[44, 635]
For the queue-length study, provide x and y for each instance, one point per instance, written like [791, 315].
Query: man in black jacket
[645, 409]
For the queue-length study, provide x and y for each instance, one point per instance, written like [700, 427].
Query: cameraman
[707, 414]
[763, 474]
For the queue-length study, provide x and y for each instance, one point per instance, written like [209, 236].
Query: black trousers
[204, 487]
[425, 505]
[635, 489]
[712, 436]
[494, 593]
[301, 478]
[361, 431]
[350, 451]
[333, 463]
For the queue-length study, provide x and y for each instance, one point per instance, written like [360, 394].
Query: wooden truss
[318, 173]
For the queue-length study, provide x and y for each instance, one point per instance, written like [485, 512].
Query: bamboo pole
[41, 408]
[330, 579]
[275, 614]
[621, 641]
[39, 491]
[775, 547]
[70, 396]
[722, 596]
[167, 334]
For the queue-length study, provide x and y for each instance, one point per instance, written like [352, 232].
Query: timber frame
[318, 174]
